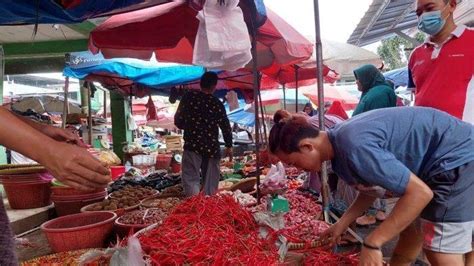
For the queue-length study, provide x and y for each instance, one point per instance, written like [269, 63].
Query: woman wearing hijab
[376, 91]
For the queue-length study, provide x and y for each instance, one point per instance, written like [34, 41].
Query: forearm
[407, 209]
[360, 205]
[19, 136]
[31, 123]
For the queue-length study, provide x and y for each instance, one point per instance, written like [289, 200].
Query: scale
[277, 204]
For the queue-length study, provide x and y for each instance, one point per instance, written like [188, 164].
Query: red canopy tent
[169, 31]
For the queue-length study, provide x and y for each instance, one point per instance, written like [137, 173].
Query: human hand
[228, 153]
[75, 166]
[370, 257]
[62, 135]
[332, 235]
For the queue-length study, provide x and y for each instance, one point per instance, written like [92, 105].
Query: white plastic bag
[222, 41]
[275, 180]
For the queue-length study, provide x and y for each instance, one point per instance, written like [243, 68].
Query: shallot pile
[209, 231]
[302, 222]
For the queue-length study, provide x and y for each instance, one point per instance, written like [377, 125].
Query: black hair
[285, 136]
[208, 80]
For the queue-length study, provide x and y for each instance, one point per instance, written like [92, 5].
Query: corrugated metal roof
[387, 17]
[384, 17]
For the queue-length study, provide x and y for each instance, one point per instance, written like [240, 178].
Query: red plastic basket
[27, 194]
[71, 204]
[79, 231]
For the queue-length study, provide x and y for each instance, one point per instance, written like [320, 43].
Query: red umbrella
[331, 94]
[169, 30]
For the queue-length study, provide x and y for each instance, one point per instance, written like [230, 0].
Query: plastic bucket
[117, 171]
[163, 161]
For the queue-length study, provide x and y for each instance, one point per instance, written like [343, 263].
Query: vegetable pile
[302, 222]
[208, 231]
[242, 198]
[143, 217]
[158, 180]
[138, 193]
[323, 258]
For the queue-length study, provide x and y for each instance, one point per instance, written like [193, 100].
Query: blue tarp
[15, 12]
[149, 73]
[398, 76]
[242, 117]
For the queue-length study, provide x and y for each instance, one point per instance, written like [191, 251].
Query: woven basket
[23, 170]
[245, 185]
[312, 244]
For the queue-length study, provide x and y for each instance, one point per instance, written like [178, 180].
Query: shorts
[452, 238]
[448, 220]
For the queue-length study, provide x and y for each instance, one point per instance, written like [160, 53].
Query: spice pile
[114, 204]
[143, 217]
[323, 258]
[208, 230]
[166, 204]
[138, 193]
[174, 191]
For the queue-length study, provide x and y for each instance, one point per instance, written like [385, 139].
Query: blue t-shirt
[382, 147]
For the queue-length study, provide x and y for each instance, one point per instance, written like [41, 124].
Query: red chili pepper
[209, 230]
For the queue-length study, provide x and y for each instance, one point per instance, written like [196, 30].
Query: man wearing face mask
[441, 71]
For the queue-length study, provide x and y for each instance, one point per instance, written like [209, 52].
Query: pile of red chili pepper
[320, 257]
[209, 230]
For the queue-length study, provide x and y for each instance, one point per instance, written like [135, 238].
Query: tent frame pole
[319, 64]
[284, 96]
[89, 112]
[297, 85]
[256, 92]
[66, 102]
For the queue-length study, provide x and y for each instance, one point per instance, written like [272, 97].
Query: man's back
[200, 117]
[392, 142]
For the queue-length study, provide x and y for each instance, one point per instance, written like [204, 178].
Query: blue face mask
[431, 22]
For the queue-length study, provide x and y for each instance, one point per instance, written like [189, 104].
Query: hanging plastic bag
[275, 180]
[222, 41]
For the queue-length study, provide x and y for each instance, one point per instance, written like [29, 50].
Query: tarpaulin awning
[399, 76]
[242, 117]
[19, 12]
[169, 31]
[126, 71]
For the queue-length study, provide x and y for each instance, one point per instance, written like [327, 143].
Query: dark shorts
[453, 200]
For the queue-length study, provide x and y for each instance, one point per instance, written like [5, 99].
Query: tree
[394, 51]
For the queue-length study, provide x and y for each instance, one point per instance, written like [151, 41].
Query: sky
[338, 18]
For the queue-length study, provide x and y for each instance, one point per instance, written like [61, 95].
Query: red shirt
[443, 75]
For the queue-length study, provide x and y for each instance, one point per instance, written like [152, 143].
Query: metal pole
[89, 112]
[66, 102]
[319, 63]
[263, 118]
[256, 89]
[296, 89]
[105, 105]
[284, 97]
